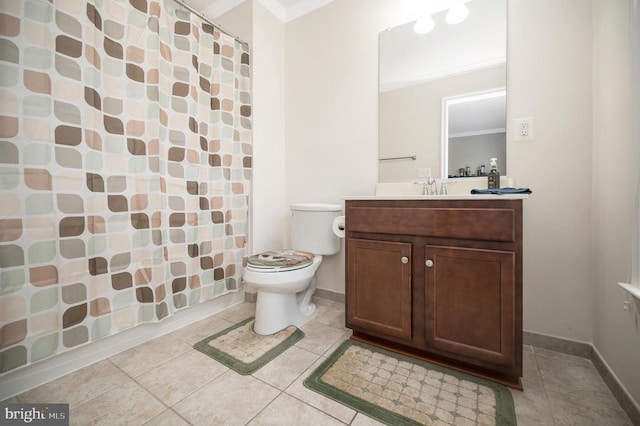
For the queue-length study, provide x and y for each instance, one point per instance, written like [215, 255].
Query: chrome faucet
[430, 187]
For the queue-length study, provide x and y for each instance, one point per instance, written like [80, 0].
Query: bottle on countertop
[493, 178]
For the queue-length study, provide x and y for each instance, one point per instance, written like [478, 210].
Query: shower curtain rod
[209, 21]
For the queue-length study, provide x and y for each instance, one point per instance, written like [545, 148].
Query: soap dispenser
[493, 178]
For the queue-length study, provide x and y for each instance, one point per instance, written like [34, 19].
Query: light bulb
[457, 13]
[424, 24]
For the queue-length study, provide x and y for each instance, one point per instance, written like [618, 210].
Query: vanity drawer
[486, 224]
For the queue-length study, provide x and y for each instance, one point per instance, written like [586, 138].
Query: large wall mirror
[442, 95]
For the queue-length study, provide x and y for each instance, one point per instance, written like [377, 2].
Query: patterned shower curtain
[125, 165]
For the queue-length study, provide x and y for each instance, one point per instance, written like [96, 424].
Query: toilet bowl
[285, 280]
[284, 296]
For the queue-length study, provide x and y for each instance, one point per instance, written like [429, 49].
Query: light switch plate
[424, 172]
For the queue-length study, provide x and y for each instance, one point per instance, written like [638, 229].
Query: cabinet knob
[404, 260]
[429, 263]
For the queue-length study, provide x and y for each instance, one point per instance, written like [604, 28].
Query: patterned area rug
[396, 389]
[241, 349]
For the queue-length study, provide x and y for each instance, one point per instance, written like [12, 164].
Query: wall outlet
[523, 129]
[424, 172]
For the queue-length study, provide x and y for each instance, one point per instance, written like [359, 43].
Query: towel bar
[408, 157]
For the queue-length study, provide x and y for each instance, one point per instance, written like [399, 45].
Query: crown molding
[284, 14]
[303, 7]
[276, 9]
[219, 7]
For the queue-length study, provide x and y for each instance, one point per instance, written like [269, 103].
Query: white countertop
[439, 197]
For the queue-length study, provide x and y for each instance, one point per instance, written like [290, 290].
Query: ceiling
[285, 10]
[478, 115]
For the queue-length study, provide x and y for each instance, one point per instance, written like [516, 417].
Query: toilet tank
[311, 228]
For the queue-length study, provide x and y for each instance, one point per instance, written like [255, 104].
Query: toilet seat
[257, 268]
[280, 261]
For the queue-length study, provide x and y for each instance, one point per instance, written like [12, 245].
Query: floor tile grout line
[298, 376]
[186, 396]
[157, 366]
[266, 406]
[104, 391]
[150, 391]
[168, 409]
[131, 379]
[284, 391]
[544, 386]
[322, 411]
[538, 357]
[76, 371]
[582, 362]
[318, 358]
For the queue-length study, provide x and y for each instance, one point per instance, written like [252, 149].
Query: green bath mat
[396, 389]
[241, 349]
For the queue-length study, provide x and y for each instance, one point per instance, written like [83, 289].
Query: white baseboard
[25, 378]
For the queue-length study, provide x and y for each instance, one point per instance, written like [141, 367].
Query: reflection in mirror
[418, 71]
[473, 131]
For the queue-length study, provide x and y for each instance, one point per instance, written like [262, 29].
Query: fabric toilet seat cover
[276, 259]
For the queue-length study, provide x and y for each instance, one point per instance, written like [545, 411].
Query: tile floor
[167, 382]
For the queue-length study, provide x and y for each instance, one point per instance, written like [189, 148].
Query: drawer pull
[404, 260]
[429, 263]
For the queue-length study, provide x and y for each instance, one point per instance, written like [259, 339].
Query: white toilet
[285, 280]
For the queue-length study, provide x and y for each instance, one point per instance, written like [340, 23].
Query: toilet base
[276, 311]
[283, 298]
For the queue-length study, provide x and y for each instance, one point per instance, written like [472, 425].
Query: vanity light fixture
[424, 9]
[457, 14]
[424, 24]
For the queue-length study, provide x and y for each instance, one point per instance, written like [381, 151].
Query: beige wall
[549, 78]
[269, 208]
[265, 34]
[615, 166]
[238, 21]
[572, 257]
[332, 108]
[572, 77]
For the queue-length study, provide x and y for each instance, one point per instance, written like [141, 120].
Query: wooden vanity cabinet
[380, 274]
[470, 303]
[440, 280]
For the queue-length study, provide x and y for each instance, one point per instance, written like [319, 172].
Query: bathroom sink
[455, 187]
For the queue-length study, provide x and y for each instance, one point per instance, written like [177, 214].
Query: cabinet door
[379, 286]
[470, 300]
